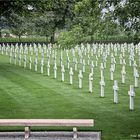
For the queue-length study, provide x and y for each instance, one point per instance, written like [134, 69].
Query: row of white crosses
[112, 66]
[80, 76]
[55, 68]
[75, 64]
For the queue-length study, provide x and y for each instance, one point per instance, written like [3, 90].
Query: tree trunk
[53, 37]
[0, 34]
[19, 38]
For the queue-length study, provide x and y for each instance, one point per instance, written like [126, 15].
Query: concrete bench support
[75, 135]
[27, 132]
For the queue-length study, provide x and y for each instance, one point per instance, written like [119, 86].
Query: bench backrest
[47, 122]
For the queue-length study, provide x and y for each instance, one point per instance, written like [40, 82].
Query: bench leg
[27, 132]
[75, 135]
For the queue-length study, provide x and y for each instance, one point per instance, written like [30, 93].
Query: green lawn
[27, 94]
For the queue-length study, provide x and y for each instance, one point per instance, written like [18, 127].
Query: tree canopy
[95, 18]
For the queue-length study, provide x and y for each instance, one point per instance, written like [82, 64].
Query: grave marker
[55, 71]
[36, 62]
[48, 68]
[71, 75]
[90, 82]
[116, 88]
[41, 66]
[84, 65]
[63, 72]
[30, 63]
[24, 60]
[111, 72]
[80, 76]
[102, 83]
[131, 93]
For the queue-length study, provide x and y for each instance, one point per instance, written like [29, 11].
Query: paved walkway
[61, 135]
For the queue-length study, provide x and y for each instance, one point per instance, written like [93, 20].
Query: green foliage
[45, 17]
[88, 15]
[68, 39]
[5, 31]
[18, 25]
[28, 39]
[128, 15]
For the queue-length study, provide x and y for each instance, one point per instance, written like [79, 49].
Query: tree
[128, 14]
[18, 25]
[3, 24]
[57, 15]
[88, 15]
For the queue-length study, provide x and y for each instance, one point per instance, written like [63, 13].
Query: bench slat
[46, 122]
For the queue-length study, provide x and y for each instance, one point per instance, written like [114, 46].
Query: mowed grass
[27, 94]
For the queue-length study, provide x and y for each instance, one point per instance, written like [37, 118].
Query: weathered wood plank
[46, 122]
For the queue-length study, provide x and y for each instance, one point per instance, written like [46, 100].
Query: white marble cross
[104, 61]
[55, 71]
[75, 64]
[11, 56]
[30, 63]
[113, 62]
[116, 88]
[71, 75]
[84, 65]
[42, 54]
[123, 62]
[41, 65]
[81, 59]
[19, 59]
[80, 76]
[102, 70]
[24, 59]
[131, 93]
[130, 60]
[111, 73]
[68, 62]
[102, 83]
[134, 67]
[48, 68]
[90, 82]
[136, 76]
[121, 59]
[36, 62]
[54, 59]
[15, 56]
[36, 52]
[63, 72]
[116, 51]
[61, 61]
[96, 61]
[88, 59]
[31, 51]
[123, 73]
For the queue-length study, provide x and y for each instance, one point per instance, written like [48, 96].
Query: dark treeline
[71, 21]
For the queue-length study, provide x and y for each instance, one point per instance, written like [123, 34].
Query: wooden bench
[27, 123]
